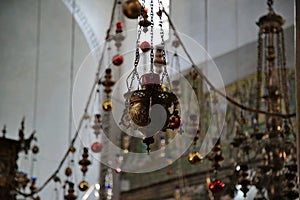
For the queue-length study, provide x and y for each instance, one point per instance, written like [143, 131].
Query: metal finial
[4, 131]
[270, 4]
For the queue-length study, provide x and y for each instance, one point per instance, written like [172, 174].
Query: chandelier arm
[229, 99]
[53, 175]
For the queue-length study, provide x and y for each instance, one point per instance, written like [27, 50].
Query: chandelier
[274, 170]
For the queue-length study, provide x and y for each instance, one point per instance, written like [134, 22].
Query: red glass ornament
[145, 46]
[174, 122]
[216, 186]
[120, 25]
[118, 60]
[96, 147]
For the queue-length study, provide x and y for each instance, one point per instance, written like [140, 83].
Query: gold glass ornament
[107, 105]
[83, 186]
[195, 158]
[35, 149]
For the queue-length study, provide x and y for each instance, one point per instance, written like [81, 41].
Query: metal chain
[165, 72]
[134, 73]
[151, 35]
[284, 75]
[259, 71]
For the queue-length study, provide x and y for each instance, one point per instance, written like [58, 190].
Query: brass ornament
[195, 158]
[132, 9]
[83, 186]
[35, 149]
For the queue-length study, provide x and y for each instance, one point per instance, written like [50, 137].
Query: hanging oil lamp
[151, 90]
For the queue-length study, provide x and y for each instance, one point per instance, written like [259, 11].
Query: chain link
[165, 72]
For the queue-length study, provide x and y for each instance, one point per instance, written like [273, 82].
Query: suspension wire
[229, 99]
[53, 175]
[36, 79]
[71, 70]
[37, 63]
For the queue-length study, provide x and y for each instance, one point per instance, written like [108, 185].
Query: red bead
[169, 172]
[174, 122]
[145, 10]
[216, 186]
[118, 60]
[120, 25]
[145, 46]
[96, 147]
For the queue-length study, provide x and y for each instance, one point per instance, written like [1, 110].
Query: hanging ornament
[126, 142]
[177, 192]
[84, 162]
[97, 126]
[33, 184]
[195, 157]
[83, 186]
[169, 172]
[119, 27]
[96, 147]
[108, 82]
[145, 46]
[174, 121]
[108, 183]
[118, 170]
[68, 171]
[145, 22]
[117, 60]
[22, 180]
[35, 149]
[216, 186]
[132, 9]
[70, 195]
[107, 105]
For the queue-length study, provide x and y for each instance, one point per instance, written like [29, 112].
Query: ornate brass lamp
[151, 91]
[273, 176]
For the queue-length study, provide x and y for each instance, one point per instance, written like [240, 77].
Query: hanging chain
[134, 73]
[165, 72]
[259, 71]
[151, 35]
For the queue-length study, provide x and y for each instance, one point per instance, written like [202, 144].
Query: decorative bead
[169, 172]
[195, 157]
[120, 25]
[35, 149]
[132, 9]
[118, 60]
[83, 186]
[68, 171]
[174, 122]
[107, 105]
[216, 186]
[96, 147]
[145, 46]
[72, 149]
